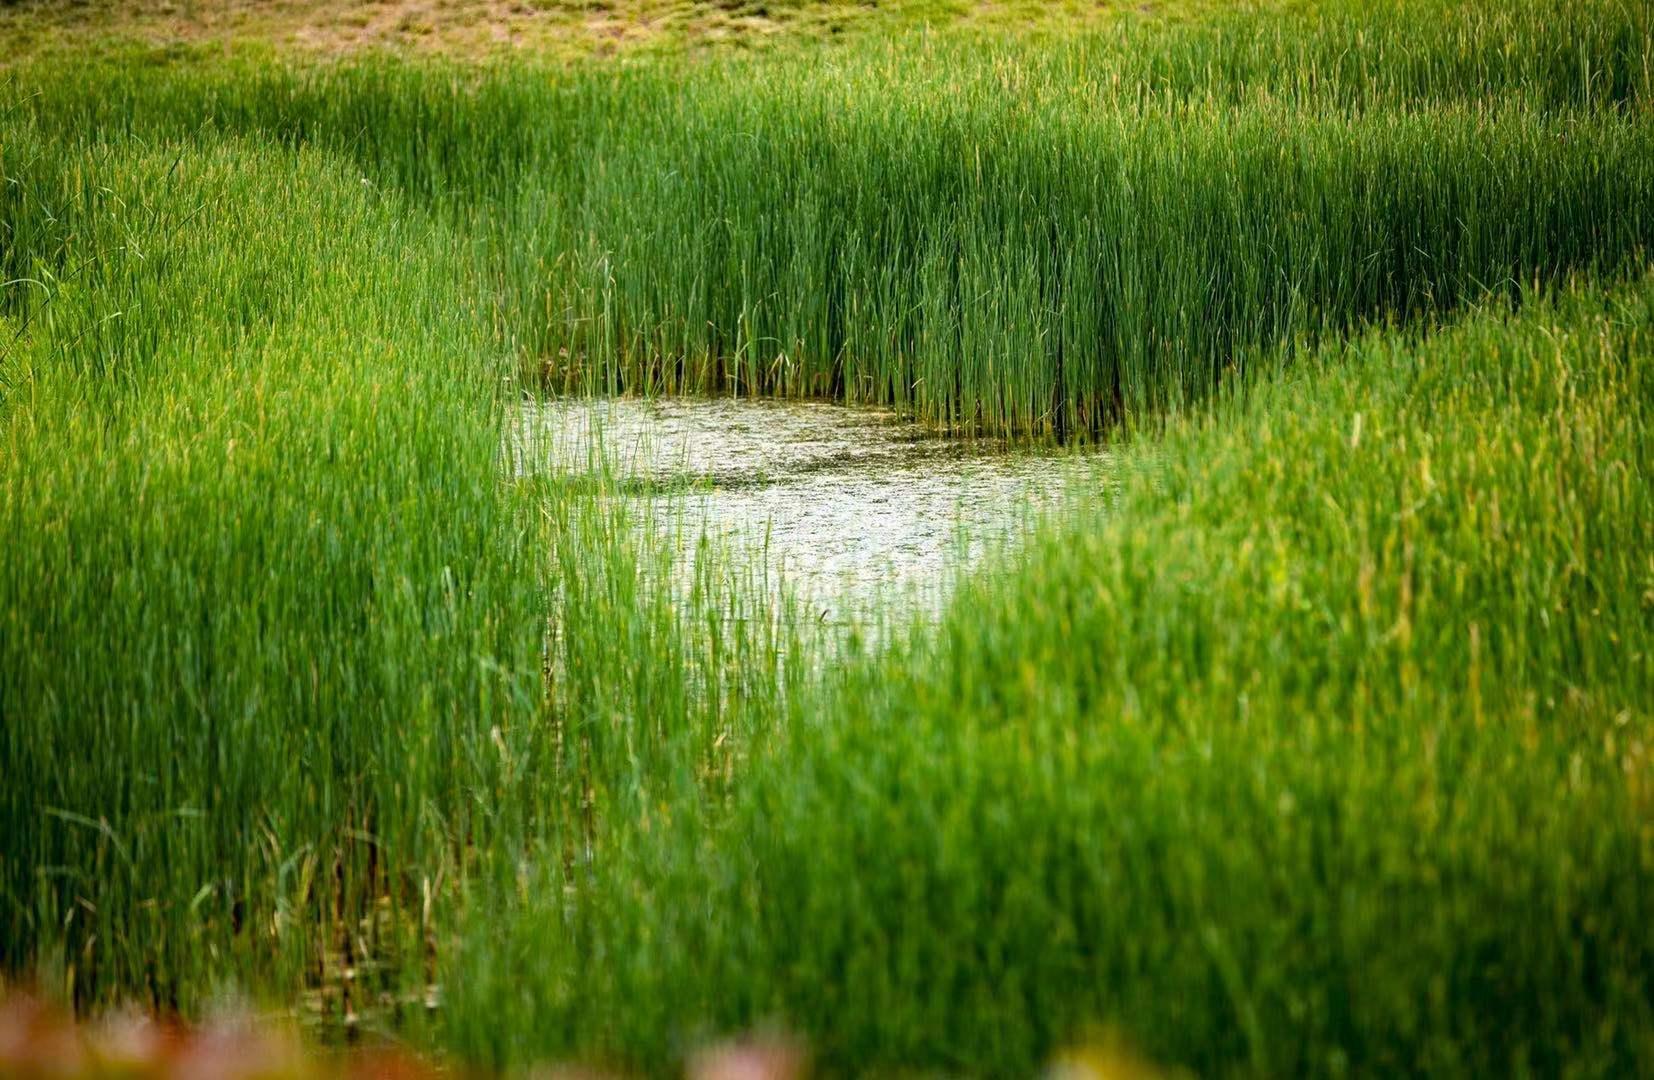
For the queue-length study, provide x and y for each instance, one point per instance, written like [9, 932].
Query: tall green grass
[1321, 747]
[1003, 237]
[277, 627]
[1012, 268]
[261, 586]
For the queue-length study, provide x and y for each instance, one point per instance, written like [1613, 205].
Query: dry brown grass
[474, 28]
[555, 29]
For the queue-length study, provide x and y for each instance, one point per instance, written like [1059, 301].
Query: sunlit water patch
[851, 506]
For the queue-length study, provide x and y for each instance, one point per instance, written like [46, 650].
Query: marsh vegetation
[1305, 728]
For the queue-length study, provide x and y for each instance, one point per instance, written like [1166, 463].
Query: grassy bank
[275, 624]
[1167, 201]
[1319, 746]
[1322, 748]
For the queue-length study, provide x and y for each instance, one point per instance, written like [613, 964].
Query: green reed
[994, 236]
[276, 625]
[1320, 747]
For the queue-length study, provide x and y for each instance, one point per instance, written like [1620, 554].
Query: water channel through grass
[850, 506]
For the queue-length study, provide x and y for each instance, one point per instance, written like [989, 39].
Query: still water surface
[851, 505]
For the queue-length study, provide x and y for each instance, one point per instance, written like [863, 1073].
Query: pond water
[850, 505]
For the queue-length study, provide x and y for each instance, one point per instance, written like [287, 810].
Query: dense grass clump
[998, 237]
[275, 643]
[260, 583]
[1324, 747]
[1016, 268]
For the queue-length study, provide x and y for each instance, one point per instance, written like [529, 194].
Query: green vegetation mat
[1316, 742]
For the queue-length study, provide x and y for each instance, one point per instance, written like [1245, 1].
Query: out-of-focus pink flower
[35, 1041]
[757, 1058]
[237, 1050]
